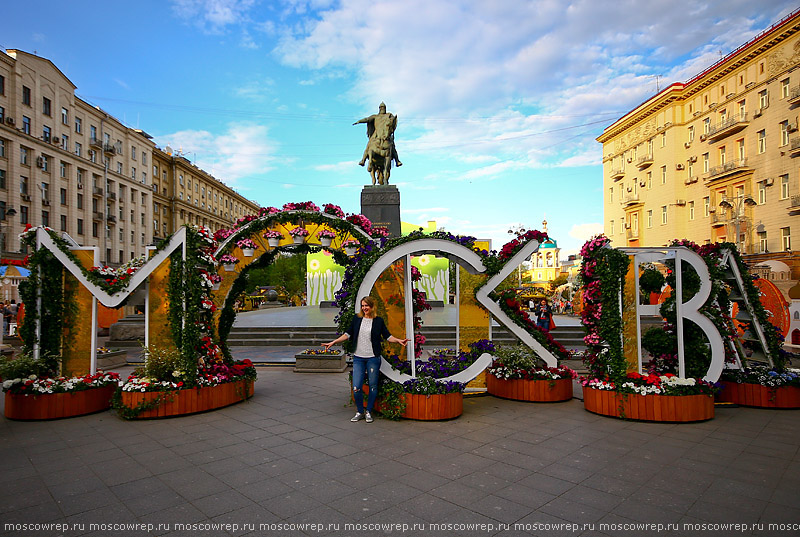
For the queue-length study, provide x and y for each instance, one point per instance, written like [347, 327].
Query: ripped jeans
[371, 367]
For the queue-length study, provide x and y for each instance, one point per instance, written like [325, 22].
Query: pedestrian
[12, 315]
[367, 330]
[544, 315]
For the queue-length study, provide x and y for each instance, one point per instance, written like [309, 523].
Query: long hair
[371, 303]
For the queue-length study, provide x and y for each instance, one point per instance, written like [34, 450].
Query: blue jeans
[371, 367]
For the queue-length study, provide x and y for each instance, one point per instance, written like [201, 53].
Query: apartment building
[185, 194]
[714, 158]
[68, 165]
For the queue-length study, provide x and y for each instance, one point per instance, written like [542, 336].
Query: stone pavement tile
[301, 478]
[531, 498]
[565, 472]
[545, 483]
[290, 504]
[484, 482]
[336, 467]
[154, 501]
[327, 490]
[779, 514]
[195, 484]
[358, 505]
[424, 481]
[103, 518]
[221, 503]
[263, 490]
[611, 485]
[44, 509]
[726, 509]
[120, 471]
[429, 508]
[731, 486]
[500, 509]
[453, 468]
[457, 493]
[604, 501]
[640, 511]
[79, 502]
[785, 494]
[311, 457]
[574, 511]
[184, 513]
[161, 461]
[277, 467]
[541, 524]
[222, 466]
[14, 499]
[678, 500]
[360, 478]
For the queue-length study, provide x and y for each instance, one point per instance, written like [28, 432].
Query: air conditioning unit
[45, 202]
[687, 145]
[25, 197]
[680, 203]
[679, 167]
[692, 159]
[627, 226]
[757, 113]
[703, 137]
[712, 209]
[630, 159]
[10, 120]
[39, 162]
[56, 140]
[769, 182]
[642, 183]
[792, 127]
[80, 186]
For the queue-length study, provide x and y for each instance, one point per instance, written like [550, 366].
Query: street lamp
[738, 205]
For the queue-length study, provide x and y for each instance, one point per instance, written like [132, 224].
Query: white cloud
[213, 16]
[244, 150]
[584, 232]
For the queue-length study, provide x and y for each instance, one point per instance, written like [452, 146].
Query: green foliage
[45, 281]
[518, 357]
[287, 271]
[558, 282]
[25, 365]
[658, 342]
[163, 364]
[651, 280]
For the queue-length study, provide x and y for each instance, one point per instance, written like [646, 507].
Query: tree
[559, 281]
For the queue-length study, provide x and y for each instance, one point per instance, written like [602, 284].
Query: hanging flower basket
[539, 391]
[248, 247]
[298, 234]
[325, 237]
[248, 252]
[171, 403]
[651, 407]
[50, 406]
[229, 267]
[759, 396]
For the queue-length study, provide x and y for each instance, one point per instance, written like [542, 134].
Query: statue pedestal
[381, 204]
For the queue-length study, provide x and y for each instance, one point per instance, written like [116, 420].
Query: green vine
[129, 413]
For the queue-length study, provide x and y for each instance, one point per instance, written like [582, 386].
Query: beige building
[70, 166]
[715, 158]
[185, 194]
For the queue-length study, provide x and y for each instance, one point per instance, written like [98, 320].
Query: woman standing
[368, 331]
[544, 315]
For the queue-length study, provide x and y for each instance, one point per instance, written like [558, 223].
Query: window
[45, 218]
[2, 114]
[80, 201]
[80, 178]
[2, 85]
[691, 134]
[722, 155]
[762, 242]
[663, 215]
[63, 196]
[663, 175]
[92, 133]
[144, 160]
[93, 155]
[45, 163]
[2, 148]
[3, 184]
[133, 173]
[706, 125]
[649, 180]
[78, 125]
[63, 222]
[691, 210]
[784, 132]
[180, 179]
[611, 228]
[64, 116]
[742, 109]
[62, 170]
[762, 141]
[78, 149]
[705, 163]
[23, 156]
[784, 186]
[80, 226]
[784, 88]
[144, 178]
[133, 152]
[690, 170]
[65, 142]
[26, 95]
[46, 133]
[94, 229]
[26, 124]
[119, 168]
[763, 98]
[650, 218]
[762, 192]
[664, 139]
[740, 148]
[23, 214]
[706, 206]
[46, 107]
[786, 239]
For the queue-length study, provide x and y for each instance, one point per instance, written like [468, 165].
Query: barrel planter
[51, 406]
[759, 396]
[538, 391]
[666, 408]
[188, 401]
[439, 406]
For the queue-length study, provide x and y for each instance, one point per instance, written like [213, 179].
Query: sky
[499, 103]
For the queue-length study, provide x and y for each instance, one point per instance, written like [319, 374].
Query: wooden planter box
[320, 363]
[759, 396]
[667, 408]
[50, 406]
[440, 406]
[189, 401]
[539, 391]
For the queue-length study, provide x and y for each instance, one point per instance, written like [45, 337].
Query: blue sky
[499, 103]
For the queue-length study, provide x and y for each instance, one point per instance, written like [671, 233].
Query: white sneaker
[359, 416]
[368, 416]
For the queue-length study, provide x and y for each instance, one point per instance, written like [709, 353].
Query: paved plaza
[290, 455]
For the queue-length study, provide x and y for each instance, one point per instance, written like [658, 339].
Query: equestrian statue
[380, 150]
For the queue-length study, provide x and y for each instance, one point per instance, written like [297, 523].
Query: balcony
[111, 219]
[632, 234]
[727, 127]
[726, 170]
[644, 161]
[630, 199]
[691, 180]
[719, 219]
[112, 195]
[618, 173]
[97, 216]
[109, 149]
[794, 95]
[794, 204]
[97, 191]
[94, 142]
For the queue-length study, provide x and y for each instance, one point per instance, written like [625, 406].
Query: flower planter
[215, 287]
[50, 406]
[759, 396]
[440, 406]
[298, 239]
[539, 391]
[325, 241]
[273, 242]
[320, 363]
[350, 250]
[189, 401]
[666, 408]
[230, 267]
[248, 252]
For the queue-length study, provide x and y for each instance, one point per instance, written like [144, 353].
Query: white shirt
[364, 342]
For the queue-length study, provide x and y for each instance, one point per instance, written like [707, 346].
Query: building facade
[71, 166]
[716, 158]
[185, 194]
